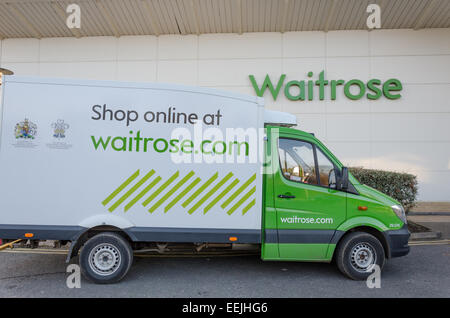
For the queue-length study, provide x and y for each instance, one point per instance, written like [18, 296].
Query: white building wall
[411, 134]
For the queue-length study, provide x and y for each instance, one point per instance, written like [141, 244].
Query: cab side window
[302, 161]
[297, 160]
[325, 167]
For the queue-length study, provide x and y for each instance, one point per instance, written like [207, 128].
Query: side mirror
[343, 179]
[332, 179]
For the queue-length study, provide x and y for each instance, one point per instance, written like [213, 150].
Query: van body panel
[41, 232]
[378, 212]
[359, 221]
[195, 235]
[100, 169]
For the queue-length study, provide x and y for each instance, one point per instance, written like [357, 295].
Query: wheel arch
[370, 230]
[90, 232]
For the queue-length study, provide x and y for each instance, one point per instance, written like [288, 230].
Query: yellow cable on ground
[10, 244]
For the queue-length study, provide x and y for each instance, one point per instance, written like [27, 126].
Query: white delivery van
[116, 167]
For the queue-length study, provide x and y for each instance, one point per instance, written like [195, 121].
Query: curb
[428, 213]
[425, 236]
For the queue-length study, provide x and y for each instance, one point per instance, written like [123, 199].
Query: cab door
[307, 206]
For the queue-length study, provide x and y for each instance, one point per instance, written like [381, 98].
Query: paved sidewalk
[437, 223]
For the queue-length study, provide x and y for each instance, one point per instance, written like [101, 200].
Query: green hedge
[400, 186]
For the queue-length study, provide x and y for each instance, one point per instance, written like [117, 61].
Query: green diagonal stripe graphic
[121, 187]
[220, 196]
[210, 193]
[200, 190]
[131, 191]
[171, 191]
[182, 194]
[248, 206]
[242, 200]
[142, 193]
[236, 193]
[161, 188]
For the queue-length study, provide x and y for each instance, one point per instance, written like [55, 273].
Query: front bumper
[398, 241]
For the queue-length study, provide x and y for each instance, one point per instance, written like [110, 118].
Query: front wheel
[357, 254]
[106, 258]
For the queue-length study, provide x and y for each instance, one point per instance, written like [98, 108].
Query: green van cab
[315, 210]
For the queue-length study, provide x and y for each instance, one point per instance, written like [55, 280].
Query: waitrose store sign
[315, 87]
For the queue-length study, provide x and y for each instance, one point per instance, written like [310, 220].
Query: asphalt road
[425, 272]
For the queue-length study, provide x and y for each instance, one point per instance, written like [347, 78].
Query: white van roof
[276, 118]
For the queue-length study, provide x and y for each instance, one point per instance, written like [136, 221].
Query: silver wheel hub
[104, 259]
[362, 257]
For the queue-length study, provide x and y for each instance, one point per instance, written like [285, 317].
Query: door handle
[285, 196]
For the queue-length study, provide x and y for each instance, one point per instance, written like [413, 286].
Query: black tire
[108, 249]
[359, 244]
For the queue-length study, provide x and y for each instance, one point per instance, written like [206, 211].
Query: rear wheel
[357, 254]
[106, 258]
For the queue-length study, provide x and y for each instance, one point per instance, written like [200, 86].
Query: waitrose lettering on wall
[310, 89]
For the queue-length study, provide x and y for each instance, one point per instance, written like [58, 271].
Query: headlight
[398, 209]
